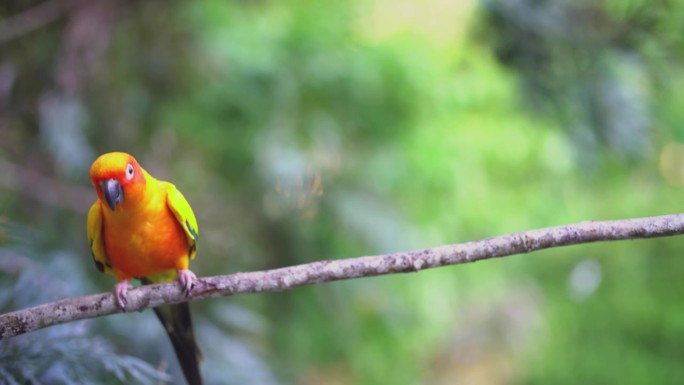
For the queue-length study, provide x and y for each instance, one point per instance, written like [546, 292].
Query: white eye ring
[129, 172]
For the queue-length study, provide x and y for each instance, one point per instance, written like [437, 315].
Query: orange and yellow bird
[141, 227]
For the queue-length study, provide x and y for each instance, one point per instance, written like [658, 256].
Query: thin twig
[77, 308]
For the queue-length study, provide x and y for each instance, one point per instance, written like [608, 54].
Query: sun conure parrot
[141, 227]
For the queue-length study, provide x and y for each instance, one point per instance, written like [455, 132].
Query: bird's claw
[121, 294]
[187, 280]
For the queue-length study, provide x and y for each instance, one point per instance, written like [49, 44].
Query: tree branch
[77, 308]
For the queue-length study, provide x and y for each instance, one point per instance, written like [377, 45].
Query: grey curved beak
[113, 192]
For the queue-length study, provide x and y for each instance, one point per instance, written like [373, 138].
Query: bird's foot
[187, 280]
[121, 294]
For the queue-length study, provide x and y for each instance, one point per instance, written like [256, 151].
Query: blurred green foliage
[303, 130]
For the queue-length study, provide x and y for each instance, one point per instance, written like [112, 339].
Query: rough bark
[77, 308]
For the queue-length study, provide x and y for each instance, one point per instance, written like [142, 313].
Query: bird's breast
[144, 241]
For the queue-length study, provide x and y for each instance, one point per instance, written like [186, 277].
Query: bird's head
[118, 179]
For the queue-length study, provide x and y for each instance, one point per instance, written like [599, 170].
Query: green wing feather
[94, 229]
[183, 212]
[176, 318]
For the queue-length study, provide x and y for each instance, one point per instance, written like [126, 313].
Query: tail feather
[178, 324]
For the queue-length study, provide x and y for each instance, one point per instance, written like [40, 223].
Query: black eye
[129, 172]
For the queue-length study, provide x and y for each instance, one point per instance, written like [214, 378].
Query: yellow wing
[183, 212]
[95, 240]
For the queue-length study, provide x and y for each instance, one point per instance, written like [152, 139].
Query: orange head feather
[118, 179]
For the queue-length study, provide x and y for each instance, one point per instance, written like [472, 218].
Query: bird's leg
[121, 293]
[187, 279]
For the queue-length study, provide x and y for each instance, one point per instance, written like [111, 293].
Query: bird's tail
[178, 324]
